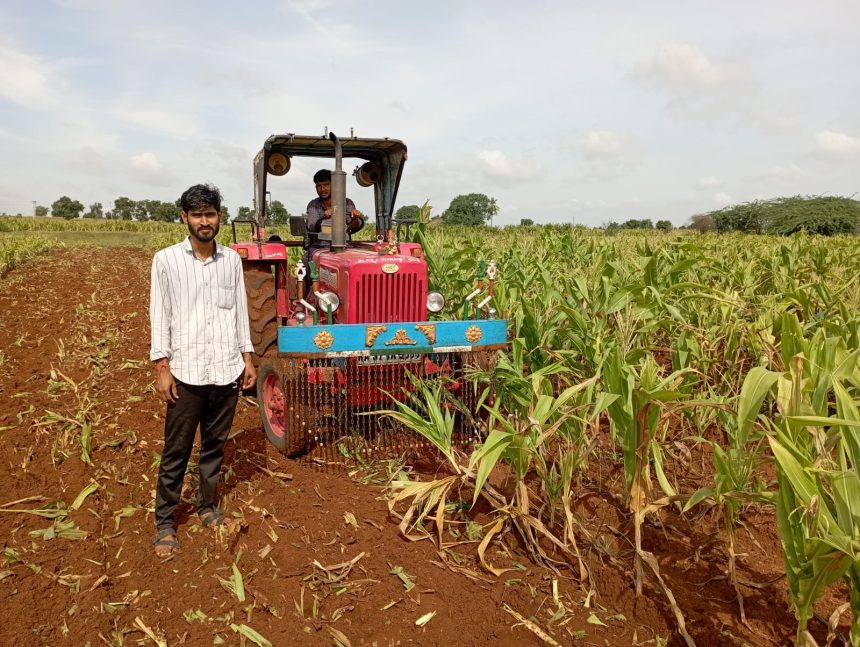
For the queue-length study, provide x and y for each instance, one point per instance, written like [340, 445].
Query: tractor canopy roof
[321, 146]
[382, 167]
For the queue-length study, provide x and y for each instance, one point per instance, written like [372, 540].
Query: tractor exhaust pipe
[338, 199]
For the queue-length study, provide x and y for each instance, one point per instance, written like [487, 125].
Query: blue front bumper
[357, 340]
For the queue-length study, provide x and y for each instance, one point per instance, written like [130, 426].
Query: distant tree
[140, 210]
[664, 225]
[124, 208]
[278, 214]
[162, 211]
[825, 215]
[747, 217]
[702, 222]
[95, 211]
[65, 207]
[645, 223]
[408, 212]
[41, 211]
[526, 222]
[244, 213]
[225, 215]
[472, 209]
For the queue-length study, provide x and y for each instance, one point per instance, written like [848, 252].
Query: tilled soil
[322, 561]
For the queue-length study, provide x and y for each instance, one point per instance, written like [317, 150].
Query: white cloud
[498, 165]
[146, 163]
[27, 79]
[606, 153]
[87, 160]
[602, 144]
[709, 182]
[775, 121]
[837, 145]
[683, 68]
[147, 168]
[158, 120]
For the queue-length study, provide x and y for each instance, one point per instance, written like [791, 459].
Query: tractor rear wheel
[286, 418]
[262, 311]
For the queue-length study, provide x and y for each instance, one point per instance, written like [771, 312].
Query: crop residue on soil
[311, 555]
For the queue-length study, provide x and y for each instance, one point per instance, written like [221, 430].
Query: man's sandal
[211, 518]
[165, 539]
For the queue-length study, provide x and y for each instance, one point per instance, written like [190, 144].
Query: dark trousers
[212, 408]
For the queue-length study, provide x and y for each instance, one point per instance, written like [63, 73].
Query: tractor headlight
[326, 299]
[435, 301]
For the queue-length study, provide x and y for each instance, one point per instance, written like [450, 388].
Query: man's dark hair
[199, 196]
[323, 175]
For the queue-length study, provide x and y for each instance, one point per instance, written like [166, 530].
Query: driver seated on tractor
[319, 208]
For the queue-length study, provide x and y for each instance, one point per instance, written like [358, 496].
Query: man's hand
[327, 213]
[165, 385]
[249, 376]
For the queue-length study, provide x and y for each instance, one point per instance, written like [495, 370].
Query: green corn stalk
[818, 509]
[734, 464]
[635, 415]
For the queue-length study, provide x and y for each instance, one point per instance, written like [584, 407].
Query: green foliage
[644, 223]
[526, 222]
[703, 222]
[664, 225]
[277, 213]
[156, 210]
[825, 215]
[225, 215]
[21, 248]
[95, 211]
[472, 210]
[65, 207]
[747, 217]
[124, 208]
[244, 213]
[41, 210]
[408, 212]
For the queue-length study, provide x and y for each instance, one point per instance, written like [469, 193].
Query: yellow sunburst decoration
[323, 339]
[474, 334]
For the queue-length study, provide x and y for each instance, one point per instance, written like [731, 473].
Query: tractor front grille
[388, 298]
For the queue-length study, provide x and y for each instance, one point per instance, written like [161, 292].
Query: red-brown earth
[74, 339]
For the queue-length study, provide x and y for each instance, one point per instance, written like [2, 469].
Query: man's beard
[207, 236]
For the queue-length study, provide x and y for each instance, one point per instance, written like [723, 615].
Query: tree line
[825, 215]
[125, 208]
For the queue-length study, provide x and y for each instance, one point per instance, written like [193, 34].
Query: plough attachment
[330, 404]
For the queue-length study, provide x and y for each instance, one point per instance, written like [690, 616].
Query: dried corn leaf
[531, 626]
[89, 488]
[340, 640]
[423, 620]
[251, 634]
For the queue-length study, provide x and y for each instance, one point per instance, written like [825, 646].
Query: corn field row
[747, 344]
[16, 250]
[32, 223]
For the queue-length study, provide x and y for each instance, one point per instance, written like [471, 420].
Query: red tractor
[348, 332]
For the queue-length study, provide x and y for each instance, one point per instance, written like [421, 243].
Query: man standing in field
[201, 346]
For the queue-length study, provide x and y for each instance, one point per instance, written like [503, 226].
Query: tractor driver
[320, 208]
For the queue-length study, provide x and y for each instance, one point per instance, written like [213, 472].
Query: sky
[573, 111]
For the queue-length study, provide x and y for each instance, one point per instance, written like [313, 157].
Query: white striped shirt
[198, 312]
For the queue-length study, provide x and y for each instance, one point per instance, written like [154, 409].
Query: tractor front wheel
[286, 419]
